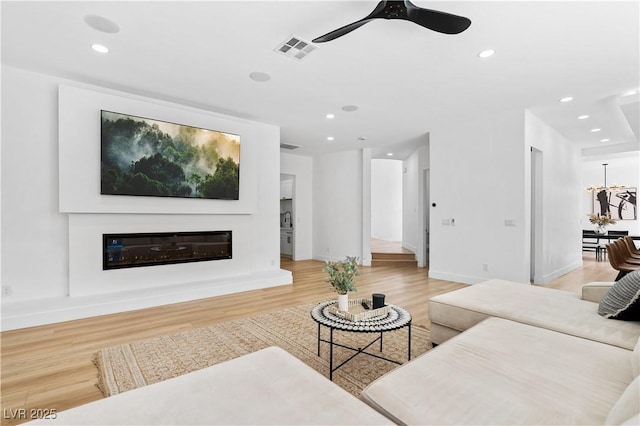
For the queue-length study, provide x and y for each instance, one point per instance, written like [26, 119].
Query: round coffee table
[325, 315]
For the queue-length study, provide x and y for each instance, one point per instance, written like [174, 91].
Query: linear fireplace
[161, 248]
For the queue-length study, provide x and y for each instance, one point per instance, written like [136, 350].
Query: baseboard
[410, 247]
[323, 258]
[464, 279]
[547, 278]
[24, 314]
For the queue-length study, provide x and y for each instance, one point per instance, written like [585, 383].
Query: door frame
[536, 274]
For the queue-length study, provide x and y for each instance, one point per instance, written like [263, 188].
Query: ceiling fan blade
[340, 31]
[437, 21]
[352, 26]
[398, 9]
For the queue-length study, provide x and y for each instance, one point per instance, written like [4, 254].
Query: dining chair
[632, 246]
[617, 262]
[626, 252]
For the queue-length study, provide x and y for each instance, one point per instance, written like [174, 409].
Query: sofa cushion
[622, 301]
[556, 310]
[269, 386]
[635, 359]
[628, 405]
[595, 291]
[633, 421]
[503, 372]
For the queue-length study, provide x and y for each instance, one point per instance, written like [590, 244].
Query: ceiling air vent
[295, 47]
[288, 146]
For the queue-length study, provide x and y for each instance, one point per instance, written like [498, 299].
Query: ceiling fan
[432, 19]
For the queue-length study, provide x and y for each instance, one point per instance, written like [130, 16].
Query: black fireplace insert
[161, 248]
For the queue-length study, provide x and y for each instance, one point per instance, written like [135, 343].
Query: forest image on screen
[145, 157]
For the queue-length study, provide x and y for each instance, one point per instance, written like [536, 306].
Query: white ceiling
[406, 80]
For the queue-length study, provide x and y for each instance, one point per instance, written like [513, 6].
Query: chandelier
[610, 188]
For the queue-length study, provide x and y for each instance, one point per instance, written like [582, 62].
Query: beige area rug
[133, 365]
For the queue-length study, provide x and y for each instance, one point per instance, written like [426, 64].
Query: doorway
[387, 214]
[287, 216]
[386, 200]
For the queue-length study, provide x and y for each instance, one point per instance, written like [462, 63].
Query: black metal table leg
[331, 353]
[318, 339]
[409, 340]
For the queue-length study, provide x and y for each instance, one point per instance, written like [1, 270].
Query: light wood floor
[50, 367]
[384, 246]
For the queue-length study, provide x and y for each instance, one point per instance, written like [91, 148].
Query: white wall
[410, 203]
[386, 199]
[561, 198]
[624, 170]
[365, 185]
[477, 178]
[338, 206]
[36, 235]
[302, 168]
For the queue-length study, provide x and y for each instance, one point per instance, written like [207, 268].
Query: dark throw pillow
[622, 301]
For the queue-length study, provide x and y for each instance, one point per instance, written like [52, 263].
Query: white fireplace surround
[93, 291]
[85, 253]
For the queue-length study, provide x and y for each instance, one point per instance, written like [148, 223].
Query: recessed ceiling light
[566, 99]
[102, 24]
[486, 53]
[100, 48]
[583, 117]
[605, 140]
[259, 76]
[330, 116]
[349, 108]
[595, 130]
[389, 154]
[329, 138]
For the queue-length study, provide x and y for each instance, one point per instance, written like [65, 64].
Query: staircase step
[393, 256]
[402, 259]
[392, 262]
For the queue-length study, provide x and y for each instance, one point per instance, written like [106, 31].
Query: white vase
[343, 302]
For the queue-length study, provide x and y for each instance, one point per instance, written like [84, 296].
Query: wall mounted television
[147, 157]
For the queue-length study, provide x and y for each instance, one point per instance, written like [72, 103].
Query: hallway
[391, 253]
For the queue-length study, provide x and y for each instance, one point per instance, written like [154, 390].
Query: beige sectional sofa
[510, 354]
[562, 311]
